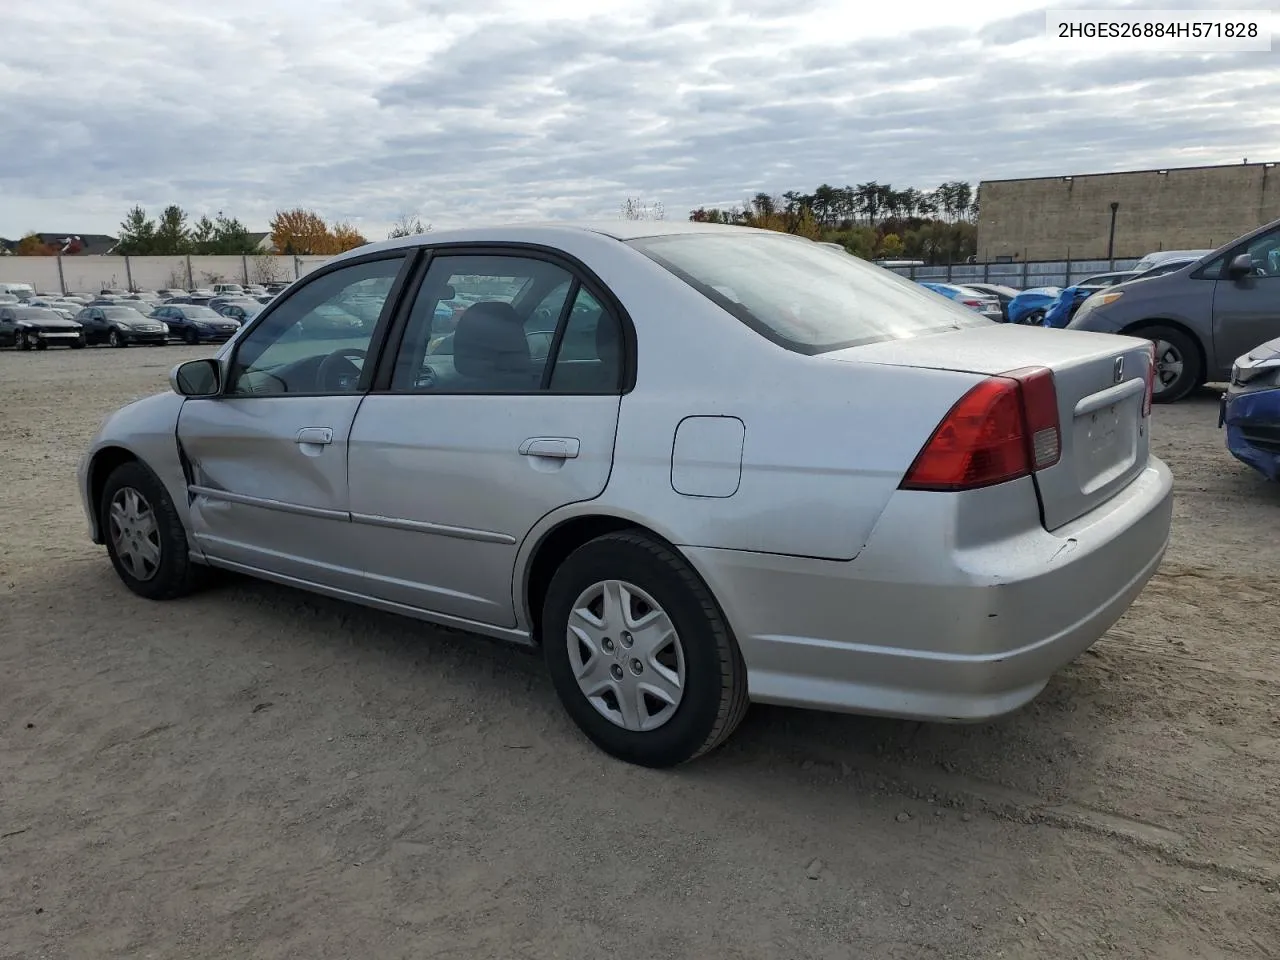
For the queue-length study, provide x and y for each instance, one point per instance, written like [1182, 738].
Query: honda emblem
[1119, 371]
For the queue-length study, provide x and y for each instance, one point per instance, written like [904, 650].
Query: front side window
[489, 324]
[317, 339]
[802, 295]
[1264, 251]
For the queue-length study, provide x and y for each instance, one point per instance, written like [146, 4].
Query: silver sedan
[697, 465]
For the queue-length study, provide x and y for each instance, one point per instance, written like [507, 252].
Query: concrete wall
[1184, 209]
[91, 274]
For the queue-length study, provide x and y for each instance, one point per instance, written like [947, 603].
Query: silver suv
[1200, 317]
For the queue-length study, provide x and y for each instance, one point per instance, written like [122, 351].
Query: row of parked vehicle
[1210, 315]
[30, 320]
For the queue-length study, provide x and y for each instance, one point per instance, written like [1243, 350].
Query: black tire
[116, 339]
[176, 574]
[714, 698]
[1179, 347]
[1034, 319]
[41, 345]
[78, 345]
[21, 341]
[191, 337]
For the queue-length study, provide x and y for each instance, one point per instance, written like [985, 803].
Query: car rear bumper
[936, 628]
[1253, 429]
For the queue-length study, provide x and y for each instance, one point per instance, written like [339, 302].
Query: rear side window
[802, 295]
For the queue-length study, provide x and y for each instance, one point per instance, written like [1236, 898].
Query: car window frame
[582, 277]
[377, 339]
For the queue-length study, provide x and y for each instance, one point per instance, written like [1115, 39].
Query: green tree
[891, 246]
[172, 235]
[231, 237]
[202, 236]
[137, 234]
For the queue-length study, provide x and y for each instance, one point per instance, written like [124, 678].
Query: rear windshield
[804, 296]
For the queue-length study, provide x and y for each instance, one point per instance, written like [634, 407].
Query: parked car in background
[168, 293]
[196, 323]
[265, 297]
[1004, 295]
[980, 303]
[1200, 317]
[119, 326]
[1251, 409]
[228, 290]
[23, 327]
[8, 298]
[944, 534]
[1029, 306]
[20, 291]
[201, 294]
[241, 310]
[276, 286]
[1160, 256]
[255, 290]
[65, 310]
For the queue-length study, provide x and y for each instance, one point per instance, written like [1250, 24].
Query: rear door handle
[557, 448]
[316, 435]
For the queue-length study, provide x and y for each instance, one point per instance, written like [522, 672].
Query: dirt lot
[255, 772]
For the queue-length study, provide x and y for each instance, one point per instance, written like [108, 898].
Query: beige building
[1180, 208]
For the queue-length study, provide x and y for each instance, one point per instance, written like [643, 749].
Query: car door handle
[316, 435]
[557, 448]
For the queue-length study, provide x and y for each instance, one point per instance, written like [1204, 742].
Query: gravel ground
[257, 772]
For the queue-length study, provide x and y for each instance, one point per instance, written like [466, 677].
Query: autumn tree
[32, 246]
[301, 232]
[346, 237]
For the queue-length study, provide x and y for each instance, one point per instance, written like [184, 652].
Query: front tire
[116, 339]
[191, 337]
[21, 341]
[144, 534]
[1178, 366]
[640, 653]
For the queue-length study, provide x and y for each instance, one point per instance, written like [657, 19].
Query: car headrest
[489, 341]
[608, 344]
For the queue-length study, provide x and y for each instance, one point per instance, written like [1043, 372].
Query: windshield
[199, 313]
[35, 313]
[801, 295]
[124, 313]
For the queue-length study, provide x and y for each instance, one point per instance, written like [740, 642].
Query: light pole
[1111, 237]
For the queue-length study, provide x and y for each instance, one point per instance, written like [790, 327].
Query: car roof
[550, 232]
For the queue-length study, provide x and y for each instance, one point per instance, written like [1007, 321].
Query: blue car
[982, 303]
[1251, 410]
[1031, 305]
[1065, 305]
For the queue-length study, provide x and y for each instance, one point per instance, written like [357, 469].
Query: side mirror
[1240, 267]
[196, 378]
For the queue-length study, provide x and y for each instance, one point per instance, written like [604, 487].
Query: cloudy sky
[509, 109]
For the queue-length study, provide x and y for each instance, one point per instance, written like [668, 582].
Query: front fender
[145, 430]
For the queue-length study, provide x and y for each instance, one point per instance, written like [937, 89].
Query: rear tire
[711, 695]
[1178, 366]
[156, 530]
[191, 337]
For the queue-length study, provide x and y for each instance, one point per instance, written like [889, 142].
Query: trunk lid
[1100, 380]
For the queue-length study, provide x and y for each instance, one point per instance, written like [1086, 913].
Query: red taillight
[1151, 378]
[1002, 429]
[973, 304]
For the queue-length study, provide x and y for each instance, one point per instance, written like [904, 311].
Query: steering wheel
[330, 369]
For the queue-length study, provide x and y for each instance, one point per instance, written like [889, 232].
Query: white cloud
[494, 109]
